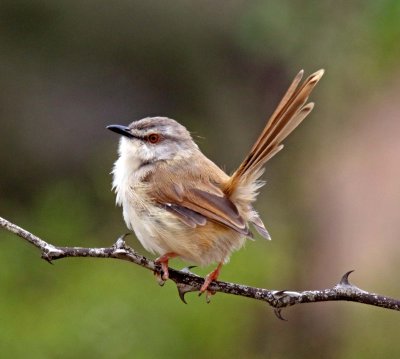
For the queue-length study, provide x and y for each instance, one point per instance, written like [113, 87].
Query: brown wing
[195, 196]
[186, 215]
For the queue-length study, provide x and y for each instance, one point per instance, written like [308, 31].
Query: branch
[189, 282]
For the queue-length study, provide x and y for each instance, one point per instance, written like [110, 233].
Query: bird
[179, 203]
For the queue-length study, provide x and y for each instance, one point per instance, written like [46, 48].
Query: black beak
[121, 130]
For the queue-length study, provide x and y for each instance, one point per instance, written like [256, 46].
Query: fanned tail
[291, 111]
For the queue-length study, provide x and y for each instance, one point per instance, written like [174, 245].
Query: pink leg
[210, 277]
[163, 260]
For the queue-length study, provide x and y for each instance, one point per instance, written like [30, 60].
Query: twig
[189, 282]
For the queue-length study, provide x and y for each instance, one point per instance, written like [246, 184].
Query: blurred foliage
[68, 68]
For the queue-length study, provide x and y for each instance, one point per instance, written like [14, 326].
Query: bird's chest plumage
[157, 230]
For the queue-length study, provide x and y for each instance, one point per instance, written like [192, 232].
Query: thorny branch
[189, 282]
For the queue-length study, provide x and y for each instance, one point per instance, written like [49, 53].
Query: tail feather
[275, 146]
[290, 112]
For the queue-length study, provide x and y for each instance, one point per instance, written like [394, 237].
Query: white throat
[127, 171]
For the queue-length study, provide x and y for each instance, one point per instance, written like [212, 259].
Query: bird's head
[153, 139]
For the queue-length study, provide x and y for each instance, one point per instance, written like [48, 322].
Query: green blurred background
[331, 203]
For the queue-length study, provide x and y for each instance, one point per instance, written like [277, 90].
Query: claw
[209, 278]
[209, 293]
[163, 260]
[207, 281]
[159, 279]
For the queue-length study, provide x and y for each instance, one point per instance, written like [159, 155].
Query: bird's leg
[163, 260]
[209, 278]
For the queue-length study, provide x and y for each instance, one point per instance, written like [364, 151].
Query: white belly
[145, 222]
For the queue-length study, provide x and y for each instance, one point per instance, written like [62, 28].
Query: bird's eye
[154, 138]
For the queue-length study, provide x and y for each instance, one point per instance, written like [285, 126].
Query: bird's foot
[163, 261]
[207, 281]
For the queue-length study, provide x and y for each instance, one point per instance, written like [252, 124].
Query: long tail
[290, 112]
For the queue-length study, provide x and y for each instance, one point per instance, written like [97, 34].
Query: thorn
[120, 243]
[183, 289]
[278, 313]
[345, 278]
[187, 270]
[182, 295]
[45, 255]
[47, 259]
[279, 292]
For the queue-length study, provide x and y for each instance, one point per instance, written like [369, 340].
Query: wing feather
[196, 199]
